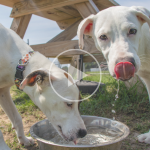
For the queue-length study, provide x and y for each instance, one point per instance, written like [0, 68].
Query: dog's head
[117, 33]
[57, 101]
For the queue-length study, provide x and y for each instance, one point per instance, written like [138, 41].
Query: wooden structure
[67, 14]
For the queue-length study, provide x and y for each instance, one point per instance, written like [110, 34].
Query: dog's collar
[21, 67]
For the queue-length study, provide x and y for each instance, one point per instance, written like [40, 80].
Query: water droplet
[116, 96]
[113, 111]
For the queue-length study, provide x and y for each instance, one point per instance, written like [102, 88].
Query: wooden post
[20, 24]
[86, 9]
[74, 63]
[67, 34]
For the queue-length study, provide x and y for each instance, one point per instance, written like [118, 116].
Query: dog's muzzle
[124, 70]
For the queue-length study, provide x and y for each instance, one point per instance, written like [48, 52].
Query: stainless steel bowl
[43, 127]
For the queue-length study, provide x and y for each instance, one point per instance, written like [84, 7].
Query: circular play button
[78, 76]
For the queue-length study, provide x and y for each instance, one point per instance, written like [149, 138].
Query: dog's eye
[103, 37]
[69, 104]
[132, 31]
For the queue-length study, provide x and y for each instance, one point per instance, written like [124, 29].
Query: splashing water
[116, 97]
[95, 136]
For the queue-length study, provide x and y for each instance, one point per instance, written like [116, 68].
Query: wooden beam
[20, 24]
[64, 16]
[68, 60]
[99, 58]
[54, 14]
[92, 6]
[30, 7]
[63, 24]
[6, 3]
[67, 34]
[69, 10]
[114, 2]
[54, 48]
[87, 8]
[65, 60]
[83, 10]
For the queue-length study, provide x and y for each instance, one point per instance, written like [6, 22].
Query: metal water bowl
[41, 128]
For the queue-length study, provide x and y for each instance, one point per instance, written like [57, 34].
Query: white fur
[115, 23]
[12, 48]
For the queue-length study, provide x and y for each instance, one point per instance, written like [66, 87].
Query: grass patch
[130, 102]
[22, 100]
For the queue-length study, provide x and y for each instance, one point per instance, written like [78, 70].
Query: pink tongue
[75, 142]
[124, 70]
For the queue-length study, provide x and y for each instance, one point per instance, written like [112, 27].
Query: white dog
[122, 34]
[63, 114]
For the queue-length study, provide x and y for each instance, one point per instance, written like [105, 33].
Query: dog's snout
[81, 133]
[126, 59]
[124, 68]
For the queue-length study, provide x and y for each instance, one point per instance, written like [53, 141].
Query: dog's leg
[146, 136]
[3, 145]
[16, 120]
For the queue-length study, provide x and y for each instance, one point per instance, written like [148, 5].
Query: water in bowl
[95, 136]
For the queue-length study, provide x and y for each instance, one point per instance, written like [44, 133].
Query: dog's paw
[144, 138]
[26, 141]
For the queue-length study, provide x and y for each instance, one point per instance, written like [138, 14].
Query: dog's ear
[142, 13]
[85, 27]
[68, 76]
[41, 77]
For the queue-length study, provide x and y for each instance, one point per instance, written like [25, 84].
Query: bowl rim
[81, 146]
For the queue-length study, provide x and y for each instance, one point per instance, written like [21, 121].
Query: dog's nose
[81, 133]
[126, 59]
[125, 68]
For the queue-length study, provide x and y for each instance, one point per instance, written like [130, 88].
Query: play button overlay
[75, 77]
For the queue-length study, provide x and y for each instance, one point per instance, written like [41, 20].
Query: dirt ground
[9, 133]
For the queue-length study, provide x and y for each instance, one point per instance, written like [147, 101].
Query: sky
[41, 30]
